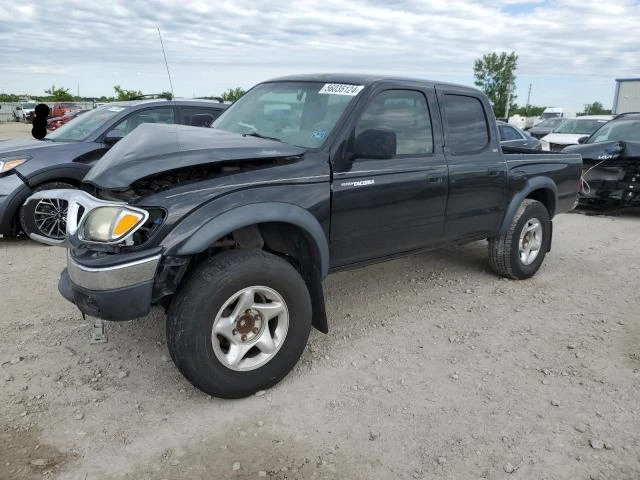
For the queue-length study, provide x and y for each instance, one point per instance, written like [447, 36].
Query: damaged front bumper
[112, 292]
[101, 278]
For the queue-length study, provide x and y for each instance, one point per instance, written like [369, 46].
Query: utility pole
[506, 110]
[78, 91]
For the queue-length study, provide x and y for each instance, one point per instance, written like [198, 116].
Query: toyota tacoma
[233, 229]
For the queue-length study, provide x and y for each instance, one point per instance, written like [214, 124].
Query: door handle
[435, 179]
[494, 172]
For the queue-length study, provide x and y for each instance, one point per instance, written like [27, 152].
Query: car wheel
[519, 253]
[49, 217]
[240, 323]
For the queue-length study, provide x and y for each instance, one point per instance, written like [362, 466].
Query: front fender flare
[211, 228]
[536, 183]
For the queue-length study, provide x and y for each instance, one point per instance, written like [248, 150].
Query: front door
[381, 207]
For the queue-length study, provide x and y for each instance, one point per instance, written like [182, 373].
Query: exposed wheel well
[546, 197]
[70, 181]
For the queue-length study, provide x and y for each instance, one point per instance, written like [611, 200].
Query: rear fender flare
[531, 185]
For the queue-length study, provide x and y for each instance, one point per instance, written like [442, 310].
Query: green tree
[59, 94]
[9, 97]
[232, 94]
[122, 94]
[595, 108]
[495, 76]
[167, 95]
[527, 110]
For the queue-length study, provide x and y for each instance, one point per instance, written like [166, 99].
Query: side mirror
[379, 143]
[583, 139]
[113, 137]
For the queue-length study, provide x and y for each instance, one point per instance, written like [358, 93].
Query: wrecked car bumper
[111, 292]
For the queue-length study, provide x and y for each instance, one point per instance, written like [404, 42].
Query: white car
[572, 130]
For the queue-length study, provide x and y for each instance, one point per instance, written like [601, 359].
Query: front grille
[556, 147]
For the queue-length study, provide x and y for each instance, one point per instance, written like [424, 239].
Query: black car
[611, 163]
[545, 127]
[63, 157]
[513, 137]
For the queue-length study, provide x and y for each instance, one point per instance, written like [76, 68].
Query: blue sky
[571, 51]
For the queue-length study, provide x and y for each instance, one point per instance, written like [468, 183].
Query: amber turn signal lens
[125, 223]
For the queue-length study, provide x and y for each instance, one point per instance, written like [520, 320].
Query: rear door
[477, 169]
[381, 207]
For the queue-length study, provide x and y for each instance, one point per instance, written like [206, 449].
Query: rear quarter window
[467, 127]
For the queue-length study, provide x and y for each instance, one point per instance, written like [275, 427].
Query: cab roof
[363, 79]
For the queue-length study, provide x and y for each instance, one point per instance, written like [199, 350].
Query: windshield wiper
[259, 135]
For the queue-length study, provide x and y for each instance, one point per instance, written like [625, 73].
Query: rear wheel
[519, 253]
[49, 217]
[240, 323]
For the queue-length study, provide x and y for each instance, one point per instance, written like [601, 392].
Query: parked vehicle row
[572, 130]
[234, 228]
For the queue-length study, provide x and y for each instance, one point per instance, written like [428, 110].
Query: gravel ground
[434, 368]
[15, 130]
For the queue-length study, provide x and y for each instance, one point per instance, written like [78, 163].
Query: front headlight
[110, 224]
[11, 163]
[545, 145]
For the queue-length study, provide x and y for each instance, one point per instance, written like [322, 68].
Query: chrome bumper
[115, 277]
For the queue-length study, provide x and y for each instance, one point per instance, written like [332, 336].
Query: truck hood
[152, 149]
[605, 151]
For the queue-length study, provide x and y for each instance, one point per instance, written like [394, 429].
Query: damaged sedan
[611, 164]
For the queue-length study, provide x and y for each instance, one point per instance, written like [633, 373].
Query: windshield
[621, 130]
[82, 126]
[550, 123]
[550, 115]
[578, 126]
[297, 113]
[28, 106]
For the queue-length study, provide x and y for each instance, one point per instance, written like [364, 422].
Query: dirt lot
[15, 130]
[434, 368]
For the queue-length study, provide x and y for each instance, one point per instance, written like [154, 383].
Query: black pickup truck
[233, 229]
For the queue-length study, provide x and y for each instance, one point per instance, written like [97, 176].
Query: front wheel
[240, 323]
[519, 253]
[49, 217]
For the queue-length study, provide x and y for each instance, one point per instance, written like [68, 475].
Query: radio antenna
[166, 64]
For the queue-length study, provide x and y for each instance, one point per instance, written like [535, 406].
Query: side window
[198, 116]
[508, 133]
[466, 124]
[151, 115]
[405, 112]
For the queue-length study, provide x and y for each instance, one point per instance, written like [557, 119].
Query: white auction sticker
[341, 89]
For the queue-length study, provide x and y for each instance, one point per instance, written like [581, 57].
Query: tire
[207, 298]
[56, 225]
[508, 255]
